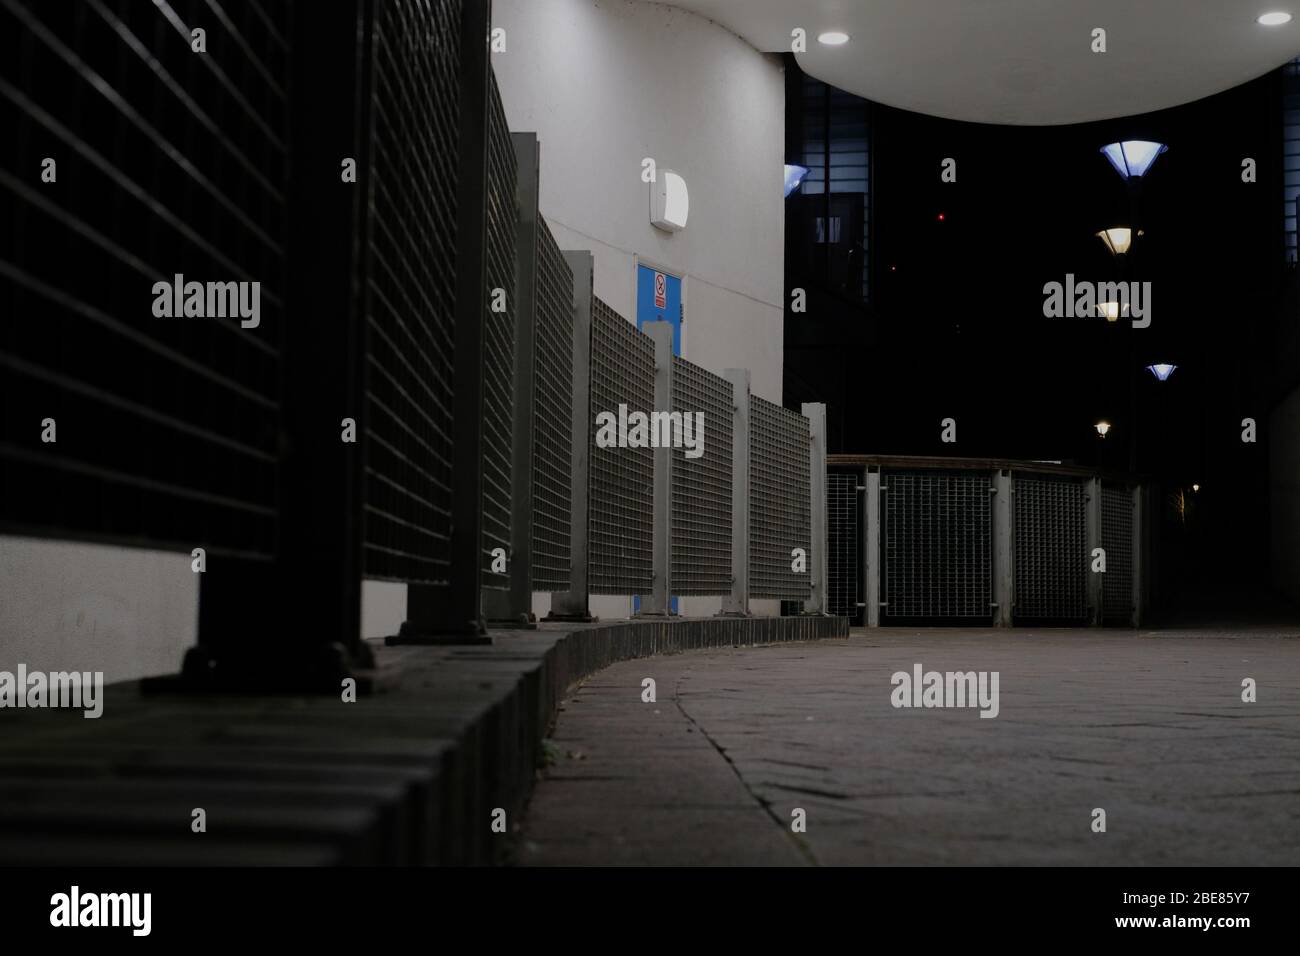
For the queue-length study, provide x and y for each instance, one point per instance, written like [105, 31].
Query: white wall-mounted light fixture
[833, 38]
[1273, 19]
[670, 201]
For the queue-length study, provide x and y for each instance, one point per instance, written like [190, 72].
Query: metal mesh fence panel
[779, 505]
[552, 411]
[843, 543]
[168, 164]
[1117, 540]
[701, 502]
[621, 486]
[499, 337]
[410, 286]
[1050, 558]
[937, 545]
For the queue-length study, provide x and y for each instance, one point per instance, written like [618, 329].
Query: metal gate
[553, 388]
[621, 489]
[1117, 540]
[1050, 549]
[844, 542]
[779, 466]
[937, 545]
[702, 487]
[165, 428]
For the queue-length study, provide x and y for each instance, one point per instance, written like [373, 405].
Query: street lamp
[1110, 311]
[1133, 157]
[1102, 428]
[1162, 370]
[1117, 239]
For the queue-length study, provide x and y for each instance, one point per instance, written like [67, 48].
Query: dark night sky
[958, 329]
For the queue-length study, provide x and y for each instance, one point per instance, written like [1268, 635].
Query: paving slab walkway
[1148, 725]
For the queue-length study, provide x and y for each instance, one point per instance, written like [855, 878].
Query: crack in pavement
[803, 848]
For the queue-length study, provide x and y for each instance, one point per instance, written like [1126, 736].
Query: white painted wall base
[71, 606]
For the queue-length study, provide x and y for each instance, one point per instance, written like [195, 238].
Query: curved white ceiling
[1027, 62]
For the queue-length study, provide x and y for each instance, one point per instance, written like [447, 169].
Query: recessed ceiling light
[839, 38]
[1274, 19]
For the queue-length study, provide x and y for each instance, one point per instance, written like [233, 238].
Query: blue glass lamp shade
[1133, 157]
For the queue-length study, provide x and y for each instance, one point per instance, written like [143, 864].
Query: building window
[836, 150]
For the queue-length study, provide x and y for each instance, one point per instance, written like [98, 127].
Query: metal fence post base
[310, 669]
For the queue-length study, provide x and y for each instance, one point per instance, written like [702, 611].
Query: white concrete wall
[606, 83]
[1284, 494]
[70, 606]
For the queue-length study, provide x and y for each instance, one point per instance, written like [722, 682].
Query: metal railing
[417, 401]
[930, 540]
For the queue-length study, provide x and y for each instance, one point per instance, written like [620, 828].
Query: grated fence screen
[621, 489]
[701, 497]
[410, 286]
[1117, 540]
[552, 411]
[779, 506]
[937, 545]
[1050, 558]
[843, 543]
[499, 337]
[167, 164]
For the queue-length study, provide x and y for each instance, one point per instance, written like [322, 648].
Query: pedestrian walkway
[1149, 726]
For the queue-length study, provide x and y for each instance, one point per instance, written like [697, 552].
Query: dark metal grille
[167, 162]
[843, 543]
[938, 545]
[701, 515]
[499, 337]
[410, 286]
[621, 491]
[779, 506]
[552, 411]
[1051, 549]
[1117, 540]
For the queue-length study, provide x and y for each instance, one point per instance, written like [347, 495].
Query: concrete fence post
[1092, 504]
[573, 604]
[1002, 538]
[657, 602]
[737, 602]
[871, 548]
[819, 552]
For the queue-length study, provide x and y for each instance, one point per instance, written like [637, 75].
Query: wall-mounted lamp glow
[670, 201]
[1133, 157]
[1196, 487]
[1102, 428]
[1117, 239]
[1162, 370]
[794, 175]
[1273, 19]
[833, 38]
